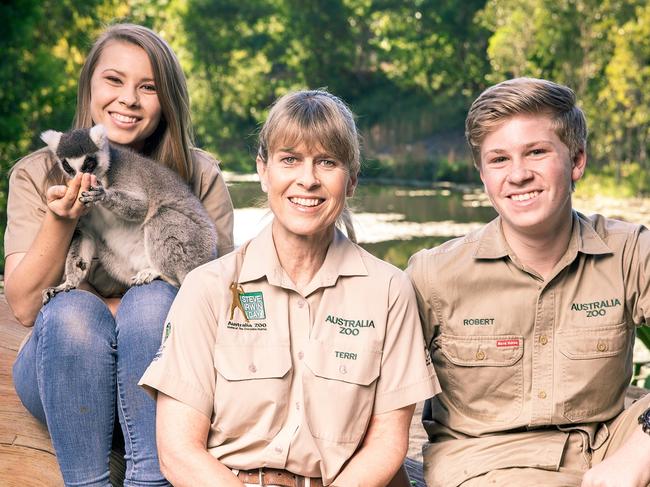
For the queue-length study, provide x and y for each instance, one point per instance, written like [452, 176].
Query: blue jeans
[80, 365]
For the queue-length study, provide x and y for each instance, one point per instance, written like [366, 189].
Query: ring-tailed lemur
[145, 222]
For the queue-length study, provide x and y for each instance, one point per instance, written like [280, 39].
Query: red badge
[511, 342]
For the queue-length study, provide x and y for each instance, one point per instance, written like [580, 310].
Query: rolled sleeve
[183, 367]
[407, 374]
[636, 280]
[26, 204]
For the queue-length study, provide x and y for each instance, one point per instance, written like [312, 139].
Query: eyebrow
[121, 73]
[526, 146]
[291, 150]
[496, 151]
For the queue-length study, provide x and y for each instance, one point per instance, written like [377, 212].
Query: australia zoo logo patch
[251, 306]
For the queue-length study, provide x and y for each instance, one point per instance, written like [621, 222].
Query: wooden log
[26, 454]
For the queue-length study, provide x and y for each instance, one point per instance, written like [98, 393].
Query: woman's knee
[141, 317]
[147, 305]
[26, 381]
[76, 319]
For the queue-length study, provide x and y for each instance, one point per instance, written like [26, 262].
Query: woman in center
[297, 359]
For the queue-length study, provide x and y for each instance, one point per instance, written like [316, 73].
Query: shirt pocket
[596, 368]
[339, 384]
[251, 391]
[482, 375]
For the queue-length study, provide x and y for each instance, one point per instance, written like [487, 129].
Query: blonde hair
[314, 118]
[526, 96]
[172, 141]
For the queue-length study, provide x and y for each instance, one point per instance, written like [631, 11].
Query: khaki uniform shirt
[291, 380]
[26, 206]
[522, 360]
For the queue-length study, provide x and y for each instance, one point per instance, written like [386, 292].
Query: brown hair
[526, 96]
[172, 141]
[315, 118]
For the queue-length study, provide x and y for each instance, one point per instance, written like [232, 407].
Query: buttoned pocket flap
[343, 362]
[596, 342]
[248, 362]
[482, 351]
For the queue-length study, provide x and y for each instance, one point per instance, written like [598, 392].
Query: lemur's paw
[50, 292]
[145, 276]
[93, 195]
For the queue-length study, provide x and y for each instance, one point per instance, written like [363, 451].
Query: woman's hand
[64, 202]
[181, 436]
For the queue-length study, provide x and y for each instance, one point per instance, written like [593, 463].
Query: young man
[531, 319]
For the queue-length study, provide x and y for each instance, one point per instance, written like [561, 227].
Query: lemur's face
[80, 150]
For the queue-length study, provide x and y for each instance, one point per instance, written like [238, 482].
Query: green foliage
[596, 47]
[616, 181]
[408, 69]
[625, 96]
[387, 59]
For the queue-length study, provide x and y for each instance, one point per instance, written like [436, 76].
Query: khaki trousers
[577, 457]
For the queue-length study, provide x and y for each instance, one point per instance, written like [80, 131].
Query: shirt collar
[584, 238]
[589, 241]
[343, 258]
[491, 242]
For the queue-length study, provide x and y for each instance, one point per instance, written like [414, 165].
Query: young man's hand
[629, 466]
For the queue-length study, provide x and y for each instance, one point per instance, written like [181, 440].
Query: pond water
[391, 222]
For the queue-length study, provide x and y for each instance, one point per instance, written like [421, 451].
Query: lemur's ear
[52, 139]
[98, 135]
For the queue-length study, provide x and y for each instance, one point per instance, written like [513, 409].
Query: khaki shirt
[521, 360]
[26, 206]
[293, 382]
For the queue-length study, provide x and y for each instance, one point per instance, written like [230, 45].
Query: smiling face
[528, 173]
[123, 94]
[306, 189]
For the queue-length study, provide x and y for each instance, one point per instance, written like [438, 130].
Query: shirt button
[297, 406]
[252, 368]
[543, 339]
[277, 449]
[301, 304]
[542, 395]
[602, 347]
[343, 369]
[300, 355]
[480, 355]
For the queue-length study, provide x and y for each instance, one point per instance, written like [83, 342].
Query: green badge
[253, 304]
[168, 330]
